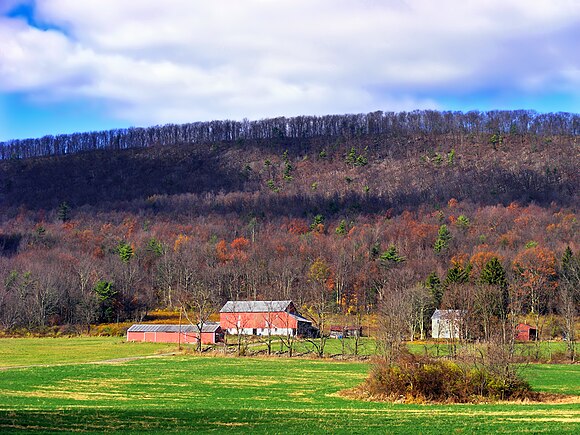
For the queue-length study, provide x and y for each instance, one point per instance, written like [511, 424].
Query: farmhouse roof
[447, 314]
[207, 327]
[255, 306]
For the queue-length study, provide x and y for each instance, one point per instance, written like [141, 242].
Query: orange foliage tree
[536, 269]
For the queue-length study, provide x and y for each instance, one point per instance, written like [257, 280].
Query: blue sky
[69, 65]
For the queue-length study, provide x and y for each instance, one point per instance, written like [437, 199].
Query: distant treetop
[375, 123]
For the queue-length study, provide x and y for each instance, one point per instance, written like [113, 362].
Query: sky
[86, 65]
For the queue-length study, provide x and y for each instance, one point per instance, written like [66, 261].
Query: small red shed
[211, 333]
[525, 332]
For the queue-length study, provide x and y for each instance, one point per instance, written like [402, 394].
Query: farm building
[211, 333]
[526, 332]
[264, 318]
[345, 331]
[446, 323]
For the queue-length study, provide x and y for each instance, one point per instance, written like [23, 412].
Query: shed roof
[255, 306]
[207, 327]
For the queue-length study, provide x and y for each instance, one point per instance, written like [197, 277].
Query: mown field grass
[34, 351]
[252, 395]
[543, 351]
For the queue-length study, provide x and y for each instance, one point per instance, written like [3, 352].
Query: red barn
[526, 332]
[263, 318]
[211, 333]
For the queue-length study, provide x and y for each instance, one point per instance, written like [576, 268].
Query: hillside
[353, 213]
[314, 175]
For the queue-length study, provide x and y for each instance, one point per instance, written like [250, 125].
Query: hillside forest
[347, 215]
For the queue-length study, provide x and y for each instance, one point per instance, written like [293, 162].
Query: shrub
[425, 379]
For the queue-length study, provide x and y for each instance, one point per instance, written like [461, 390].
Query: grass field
[544, 351]
[251, 395]
[43, 351]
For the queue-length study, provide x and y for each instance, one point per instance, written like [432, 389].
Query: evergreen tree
[64, 212]
[154, 247]
[457, 274]
[391, 255]
[443, 238]
[493, 273]
[433, 283]
[107, 296]
[125, 251]
[341, 228]
[566, 262]
[375, 250]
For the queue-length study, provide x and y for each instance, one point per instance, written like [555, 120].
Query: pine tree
[125, 251]
[443, 238]
[566, 262]
[433, 283]
[64, 212]
[493, 273]
[457, 274]
[375, 250]
[341, 228]
[391, 255]
[106, 295]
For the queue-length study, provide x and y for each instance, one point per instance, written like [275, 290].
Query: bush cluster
[425, 379]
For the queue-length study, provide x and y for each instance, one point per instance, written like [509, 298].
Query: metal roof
[448, 314]
[207, 327]
[255, 306]
[299, 318]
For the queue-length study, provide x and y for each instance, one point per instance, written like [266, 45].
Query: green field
[252, 395]
[43, 351]
[544, 351]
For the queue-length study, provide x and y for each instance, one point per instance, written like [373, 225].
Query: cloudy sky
[78, 65]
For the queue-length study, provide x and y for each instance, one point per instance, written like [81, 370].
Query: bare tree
[393, 316]
[569, 299]
[198, 303]
[421, 309]
[319, 302]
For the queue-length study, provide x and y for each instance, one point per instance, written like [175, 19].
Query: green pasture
[39, 351]
[248, 395]
[543, 351]
[46, 351]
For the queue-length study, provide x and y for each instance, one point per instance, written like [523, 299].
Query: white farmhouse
[446, 323]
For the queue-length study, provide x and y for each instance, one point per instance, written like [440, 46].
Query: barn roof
[299, 318]
[207, 327]
[255, 306]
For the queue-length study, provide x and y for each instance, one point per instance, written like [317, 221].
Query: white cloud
[182, 60]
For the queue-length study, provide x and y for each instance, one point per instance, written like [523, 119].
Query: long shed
[211, 333]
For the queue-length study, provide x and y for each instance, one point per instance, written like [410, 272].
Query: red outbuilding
[525, 332]
[211, 333]
[264, 318]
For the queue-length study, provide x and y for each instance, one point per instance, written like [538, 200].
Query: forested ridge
[342, 214]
